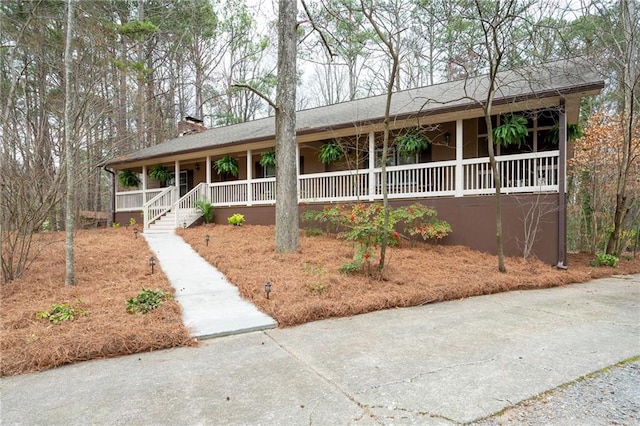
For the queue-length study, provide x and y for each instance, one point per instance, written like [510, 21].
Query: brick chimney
[190, 125]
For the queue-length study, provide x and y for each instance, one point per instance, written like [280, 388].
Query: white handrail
[158, 206]
[185, 208]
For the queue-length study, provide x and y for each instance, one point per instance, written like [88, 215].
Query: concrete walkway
[440, 364]
[211, 305]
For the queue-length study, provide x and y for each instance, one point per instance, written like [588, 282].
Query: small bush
[205, 208]
[364, 225]
[61, 312]
[318, 282]
[350, 268]
[132, 221]
[604, 259]
[313, 232]
[146, 301]
[236, 219]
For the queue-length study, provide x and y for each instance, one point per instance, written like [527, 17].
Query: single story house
[451, 173]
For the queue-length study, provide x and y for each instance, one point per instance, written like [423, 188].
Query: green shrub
[604, 259]
[317, 284]
[364, 225]
[313, 232]
[205, 208]
[146, 301]
[61, 312]
[350, 268]
[236, 219]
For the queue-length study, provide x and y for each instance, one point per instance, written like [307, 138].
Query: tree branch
[315, 28]
[256, 92]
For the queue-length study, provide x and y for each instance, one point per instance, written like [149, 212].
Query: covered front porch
[536, 172]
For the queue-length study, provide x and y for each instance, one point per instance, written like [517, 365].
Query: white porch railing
[185, 208]
[335, 186]
[418, 180]
[263, 191]
[133, 200]
[158, 205]
[532, 172]
[229, 193]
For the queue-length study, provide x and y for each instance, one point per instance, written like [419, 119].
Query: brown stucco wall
[472, 220]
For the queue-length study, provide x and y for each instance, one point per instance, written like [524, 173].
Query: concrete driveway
[446, 363]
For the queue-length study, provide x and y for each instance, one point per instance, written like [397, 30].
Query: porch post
[562, 196]
[249, 177]
[208, 166]
[175, 194]
[372, 165]
[144, 184]
[297, 170]
[459, 155]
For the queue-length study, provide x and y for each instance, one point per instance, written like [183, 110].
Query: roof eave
[587, 89]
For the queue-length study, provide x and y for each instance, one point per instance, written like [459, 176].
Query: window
[394, 158]
[540, 124]
[184, 182]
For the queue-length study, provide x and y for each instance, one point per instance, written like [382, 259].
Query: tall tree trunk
[391, 47]
[287, 231]
[70, 277]
[629, 78]
[497, 182]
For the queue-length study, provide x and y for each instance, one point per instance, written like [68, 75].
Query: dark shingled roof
[552, 79]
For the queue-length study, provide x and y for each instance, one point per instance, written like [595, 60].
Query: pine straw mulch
[111, 267]
[308, 286]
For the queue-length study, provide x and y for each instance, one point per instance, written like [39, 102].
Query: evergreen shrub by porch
[236, 219]
[205, 208]
[364, 225]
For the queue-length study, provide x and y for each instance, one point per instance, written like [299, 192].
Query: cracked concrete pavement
[446, 363]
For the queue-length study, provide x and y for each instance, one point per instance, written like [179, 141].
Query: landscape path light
[135, 232]
[152, 262]
[267, 288]
[184, 225]
[206, 239]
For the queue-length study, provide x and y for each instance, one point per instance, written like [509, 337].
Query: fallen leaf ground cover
[308, 285]
[112, 266]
